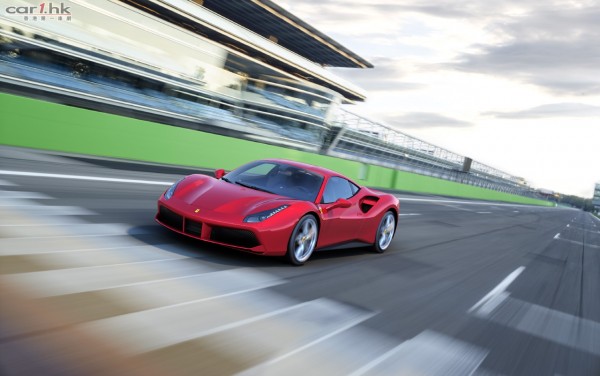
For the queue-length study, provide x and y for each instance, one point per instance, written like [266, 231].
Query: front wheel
[303, 240]
[385, 232]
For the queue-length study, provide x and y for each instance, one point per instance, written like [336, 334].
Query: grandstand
[246, 67]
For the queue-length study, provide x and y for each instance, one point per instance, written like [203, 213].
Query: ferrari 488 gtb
[277, 208]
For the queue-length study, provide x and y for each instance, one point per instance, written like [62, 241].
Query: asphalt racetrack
[90, 284]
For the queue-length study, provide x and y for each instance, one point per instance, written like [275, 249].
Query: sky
[513, 84]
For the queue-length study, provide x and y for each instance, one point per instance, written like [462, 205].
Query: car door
[339, 225]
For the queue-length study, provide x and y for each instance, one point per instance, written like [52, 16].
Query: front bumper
[258, 238]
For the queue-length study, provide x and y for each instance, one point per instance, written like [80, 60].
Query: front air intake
[235, 237]
[170, 218]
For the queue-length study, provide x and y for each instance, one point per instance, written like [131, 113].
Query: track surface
[90, 284]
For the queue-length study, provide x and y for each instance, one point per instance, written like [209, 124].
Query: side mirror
[339, 203]
[219, 173]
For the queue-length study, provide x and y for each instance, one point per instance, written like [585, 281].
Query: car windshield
[278, 178]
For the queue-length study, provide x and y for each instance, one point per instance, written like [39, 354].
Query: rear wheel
[385, 232]
[303, 240]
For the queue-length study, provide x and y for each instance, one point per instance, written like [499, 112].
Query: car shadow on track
[170, 241]
[162, 238]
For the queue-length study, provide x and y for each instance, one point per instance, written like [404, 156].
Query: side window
[338, 188]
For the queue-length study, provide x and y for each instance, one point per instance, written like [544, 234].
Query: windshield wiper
[225, 179]
[252, 187]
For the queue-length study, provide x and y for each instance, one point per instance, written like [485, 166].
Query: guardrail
[357, 137]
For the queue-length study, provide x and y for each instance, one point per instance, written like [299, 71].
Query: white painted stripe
[429, 353]
[61, 281]
[38, 226]
[49, 210]
[497, 292]
[132, 263]
[19, 194]
[189, 335]
[46, 291]
[559, 327]
[340, 354]
[484, 212]
[24, 245]
[6, 183]
[592, 231]
[173, 295]
[373, 363]
[577, 242]
[408, 214]
[97, 259]
[154, 329]
[75, 230]
[41, 251]
[82, 177]
[261, 368]
[206, 286]
[67, 236]
[151, 182]
[466, 202]
[14, 218]
[491, 304]
[458, 208]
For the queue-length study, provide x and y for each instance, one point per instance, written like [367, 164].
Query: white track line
[429, 353]
[166, 326]
[82, 177]
[556, 326]
[46, 210]
[6, 183]
[22, 195]
[152, 182]
[576, 242]
[498, 293]
[260, 368]
[468, 202]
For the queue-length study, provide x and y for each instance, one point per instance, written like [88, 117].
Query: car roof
[319, 170]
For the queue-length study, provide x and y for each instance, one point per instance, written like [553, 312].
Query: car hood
[222, 197]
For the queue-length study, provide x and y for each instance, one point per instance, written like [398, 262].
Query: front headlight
[171, 190]
[261, 216]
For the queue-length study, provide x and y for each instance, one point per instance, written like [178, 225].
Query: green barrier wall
[38, 124]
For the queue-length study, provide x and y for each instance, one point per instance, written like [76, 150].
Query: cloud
[556, 49]
[553, 45]
[422, 120]
[386, 76]
[564, 67]
[313, 9]
[565, 110]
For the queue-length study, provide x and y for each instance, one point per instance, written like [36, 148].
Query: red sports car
[278, 207]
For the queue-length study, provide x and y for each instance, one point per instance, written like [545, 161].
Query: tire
[303, 240]
[385, 232]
